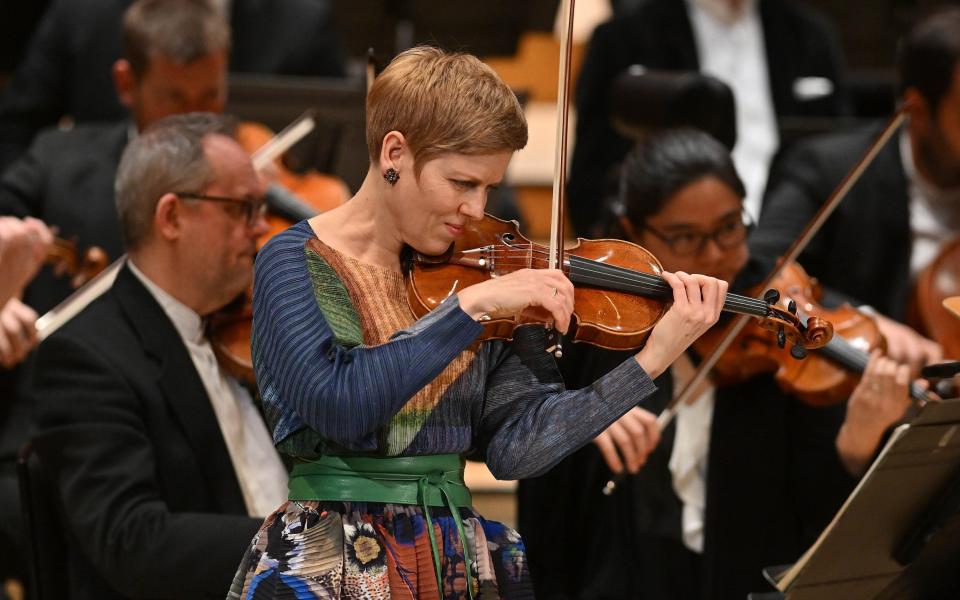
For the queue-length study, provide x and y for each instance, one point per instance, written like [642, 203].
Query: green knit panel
[334, 301]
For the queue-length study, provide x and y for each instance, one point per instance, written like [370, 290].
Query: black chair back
[46, 541]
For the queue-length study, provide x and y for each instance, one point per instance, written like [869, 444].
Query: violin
[827, 376]
[618, 292]
[939, 281]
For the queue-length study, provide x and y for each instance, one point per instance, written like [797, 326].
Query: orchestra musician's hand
[906, 346]
[697, 302]
[23, 248]
[879, 401]
[18, 332]
[547, 290]
[630, 439]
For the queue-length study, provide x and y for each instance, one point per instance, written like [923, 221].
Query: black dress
[774, 481]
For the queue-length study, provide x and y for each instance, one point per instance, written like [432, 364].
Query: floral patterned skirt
[354, 550]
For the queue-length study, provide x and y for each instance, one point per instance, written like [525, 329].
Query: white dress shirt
[934, 213]
[259, 470]
[691, 449]
[730, 46]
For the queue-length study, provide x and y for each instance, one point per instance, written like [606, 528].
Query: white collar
[187, 322]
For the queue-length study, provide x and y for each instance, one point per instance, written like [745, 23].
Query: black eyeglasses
[726, 236]
[252, 208]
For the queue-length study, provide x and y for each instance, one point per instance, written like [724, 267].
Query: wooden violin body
[67, 259]
[937, 282]
[494, 247]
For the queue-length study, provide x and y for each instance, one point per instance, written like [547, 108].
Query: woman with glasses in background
[745, 477]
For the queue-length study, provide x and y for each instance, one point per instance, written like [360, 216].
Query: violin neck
[855, 359]
[583, 271]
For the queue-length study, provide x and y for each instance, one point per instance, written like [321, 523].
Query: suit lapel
[182, 388]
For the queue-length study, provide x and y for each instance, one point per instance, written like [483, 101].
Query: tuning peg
[792, 307]
[798, 352]
[781, 337]
[771, 296]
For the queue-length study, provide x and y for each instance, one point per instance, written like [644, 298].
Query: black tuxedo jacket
[66, 69]
[774, 481]
[862, 254]
[658, 35]
[153, 508]
[66, 179]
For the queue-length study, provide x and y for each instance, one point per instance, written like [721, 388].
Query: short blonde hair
[443, 102]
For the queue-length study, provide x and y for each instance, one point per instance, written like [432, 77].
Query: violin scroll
[810, 335]
[66, 259]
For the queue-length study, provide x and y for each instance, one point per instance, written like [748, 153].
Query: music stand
[904, 512]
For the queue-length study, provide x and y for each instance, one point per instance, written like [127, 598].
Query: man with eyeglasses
[160, 460]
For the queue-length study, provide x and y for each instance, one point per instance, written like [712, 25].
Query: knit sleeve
[529, 422]
[342, 393]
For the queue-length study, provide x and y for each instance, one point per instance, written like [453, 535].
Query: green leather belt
[425, 480]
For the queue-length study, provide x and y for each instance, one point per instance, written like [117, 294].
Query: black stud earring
[391, 176]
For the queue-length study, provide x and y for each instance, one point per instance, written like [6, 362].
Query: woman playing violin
[745, 478]
[378, 408]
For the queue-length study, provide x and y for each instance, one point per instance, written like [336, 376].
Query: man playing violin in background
[746, 477]
[174, 61]
[903, 210]
[161, 461]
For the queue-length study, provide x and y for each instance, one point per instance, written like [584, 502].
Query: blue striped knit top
[329, 387]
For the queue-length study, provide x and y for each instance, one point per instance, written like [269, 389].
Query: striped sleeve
[530, 422]
[344, 394]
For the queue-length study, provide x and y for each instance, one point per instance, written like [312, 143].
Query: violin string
[645, 284]
[845, 353]
[842, 351]
[637, 281]
[624, 275]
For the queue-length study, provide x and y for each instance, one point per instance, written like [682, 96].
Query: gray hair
[168, 157]
[181, 30]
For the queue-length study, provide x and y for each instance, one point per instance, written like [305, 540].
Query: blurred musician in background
[779, 57]
[174, 61]
[65, 71]
[906, 205]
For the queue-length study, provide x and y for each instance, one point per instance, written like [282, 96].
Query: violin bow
[283, 141]
[558, 203]
[793, 252]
